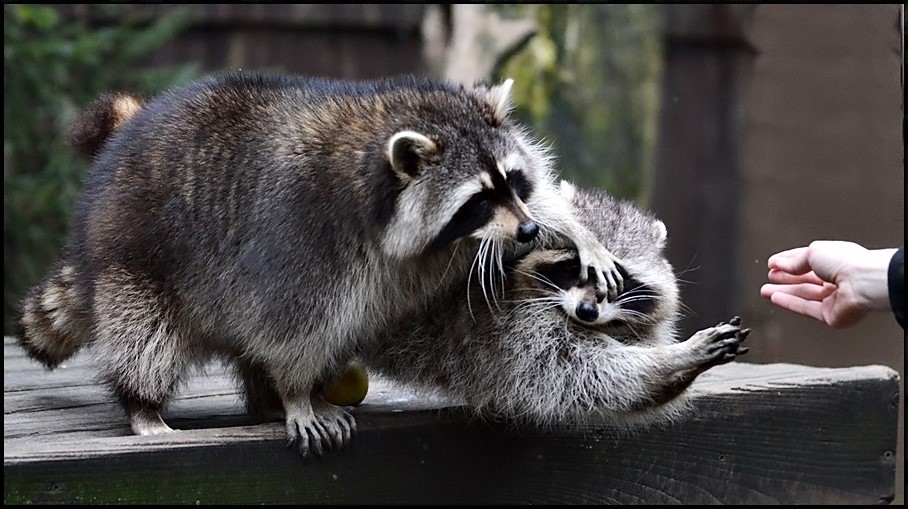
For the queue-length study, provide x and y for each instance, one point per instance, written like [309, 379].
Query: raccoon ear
[660, 232]
[567, 191]
[406, 150]
[500, 99]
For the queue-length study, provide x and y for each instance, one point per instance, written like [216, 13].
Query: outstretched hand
[835, 282]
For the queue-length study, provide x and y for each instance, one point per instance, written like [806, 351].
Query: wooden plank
[777, 433]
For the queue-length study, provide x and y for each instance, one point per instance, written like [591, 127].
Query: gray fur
[277, 221]
[531, 361]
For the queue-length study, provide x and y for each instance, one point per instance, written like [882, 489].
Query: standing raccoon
[275, 220]
[552, 352]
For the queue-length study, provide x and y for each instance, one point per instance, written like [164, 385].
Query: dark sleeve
[897, 285]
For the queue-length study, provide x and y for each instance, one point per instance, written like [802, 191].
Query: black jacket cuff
[897, 285]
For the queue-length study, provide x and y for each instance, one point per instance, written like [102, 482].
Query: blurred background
[748, 129]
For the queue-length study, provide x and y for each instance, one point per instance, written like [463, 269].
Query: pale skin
[835, 282]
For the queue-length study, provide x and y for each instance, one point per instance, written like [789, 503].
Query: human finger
[793, 261]
[806, 291]
[782, 277]
[795, 304]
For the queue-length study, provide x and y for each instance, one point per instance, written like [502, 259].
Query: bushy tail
[52, 324]
[104, 116]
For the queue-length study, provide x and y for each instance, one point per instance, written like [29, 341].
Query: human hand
[835, 282]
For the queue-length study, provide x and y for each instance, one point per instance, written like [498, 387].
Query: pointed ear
[567, 191]
[406, 150]
[660, 232]
[499, 98]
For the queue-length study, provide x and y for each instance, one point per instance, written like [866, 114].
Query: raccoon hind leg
[141, 352]
[261, 396]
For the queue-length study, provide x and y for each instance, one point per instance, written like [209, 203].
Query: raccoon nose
[587, 311]
[527, 231]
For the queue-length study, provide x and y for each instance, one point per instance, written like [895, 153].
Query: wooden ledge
[777, 433]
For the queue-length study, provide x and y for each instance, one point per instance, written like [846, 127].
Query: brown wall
[822, 157]
[782, 124]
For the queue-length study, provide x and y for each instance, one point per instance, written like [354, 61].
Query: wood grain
[777, 433]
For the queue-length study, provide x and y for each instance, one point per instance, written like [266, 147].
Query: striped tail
[52, 322]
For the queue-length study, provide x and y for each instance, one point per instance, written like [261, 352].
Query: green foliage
[588, 83]
[51, 69]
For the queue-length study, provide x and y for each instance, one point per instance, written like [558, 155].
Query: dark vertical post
[695, 187]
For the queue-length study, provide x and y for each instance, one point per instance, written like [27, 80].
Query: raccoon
[275, 221]
[552, 353]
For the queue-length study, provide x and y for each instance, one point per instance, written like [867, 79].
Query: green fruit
[350, 388]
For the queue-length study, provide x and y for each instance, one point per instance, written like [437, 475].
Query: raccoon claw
[722, 344]
[325, 427]
[605, 268]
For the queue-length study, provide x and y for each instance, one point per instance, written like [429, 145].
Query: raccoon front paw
[322, 428]
[720, 344]
[595, 259]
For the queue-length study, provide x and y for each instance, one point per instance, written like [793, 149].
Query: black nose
[527, 231]
[587, 311]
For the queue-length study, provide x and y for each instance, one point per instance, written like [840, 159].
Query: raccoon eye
[637, 296]
[477, 204]
[519, 184]
[562, 274]
[472, 215]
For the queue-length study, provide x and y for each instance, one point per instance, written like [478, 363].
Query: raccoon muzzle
[527, 231]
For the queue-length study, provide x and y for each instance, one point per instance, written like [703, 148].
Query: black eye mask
[562, 274]
[636, 296]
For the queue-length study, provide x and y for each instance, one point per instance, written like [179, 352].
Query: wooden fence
[776, 433]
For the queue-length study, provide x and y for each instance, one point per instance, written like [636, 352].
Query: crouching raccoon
[551, 351]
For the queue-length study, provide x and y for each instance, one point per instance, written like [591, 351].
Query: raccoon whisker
[536, 302]
[531, 311]
[469, 278]
[686, 310]
[635, 298]
[483, 268]
[445, 273]
[501, 273]
[634, 331]
[535, 309]
[539, 277]
[641, 317]
[552, 297]
[491, 256]
[645, 290]
[495, 259]
[519, 302]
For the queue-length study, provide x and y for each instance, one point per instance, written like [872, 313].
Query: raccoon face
[495, 210]
[553, 275]
[464, 178]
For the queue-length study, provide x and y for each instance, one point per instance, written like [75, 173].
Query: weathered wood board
[777, 433]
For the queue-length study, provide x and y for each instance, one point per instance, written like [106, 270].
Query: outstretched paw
[721, 344]
[318, 426]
